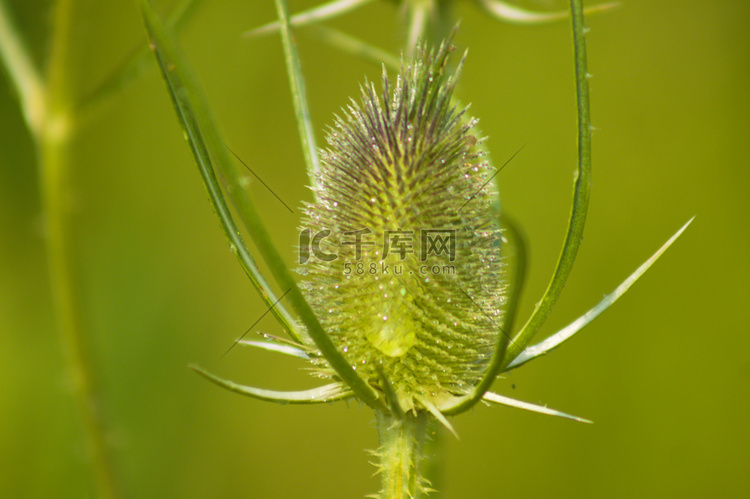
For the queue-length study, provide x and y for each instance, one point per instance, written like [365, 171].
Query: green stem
[53, 142]
[401, 452]
[197, 121]
[54, 155]
[299, 94]
[23, 74]
[433, 463]
[581, 192]
[58, 80]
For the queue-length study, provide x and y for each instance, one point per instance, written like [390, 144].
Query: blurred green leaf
[132, 67]
[319, 13]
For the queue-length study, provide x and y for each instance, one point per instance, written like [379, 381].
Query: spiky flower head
[401, 249]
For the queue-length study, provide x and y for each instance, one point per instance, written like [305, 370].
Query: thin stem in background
[46, 103]
[356, 47]
[130, 68]
[24, 76]
[54, 156]
[317, 14]
[299, 94]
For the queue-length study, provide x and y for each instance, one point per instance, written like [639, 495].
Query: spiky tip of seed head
[404, 268]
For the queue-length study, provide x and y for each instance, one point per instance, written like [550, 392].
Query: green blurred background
[665, 374]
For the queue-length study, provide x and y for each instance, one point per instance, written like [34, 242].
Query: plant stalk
[581, 193]
[53, 142]
[401, 452]
[54, 156]
[23, 74]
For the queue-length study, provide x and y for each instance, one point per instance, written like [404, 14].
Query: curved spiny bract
[415, 292]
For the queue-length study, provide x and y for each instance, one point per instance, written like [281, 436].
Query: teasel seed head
[404, 269]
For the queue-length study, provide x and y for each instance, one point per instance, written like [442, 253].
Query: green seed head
[404, 267]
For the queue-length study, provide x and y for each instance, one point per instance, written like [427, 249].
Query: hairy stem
[401, 452]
